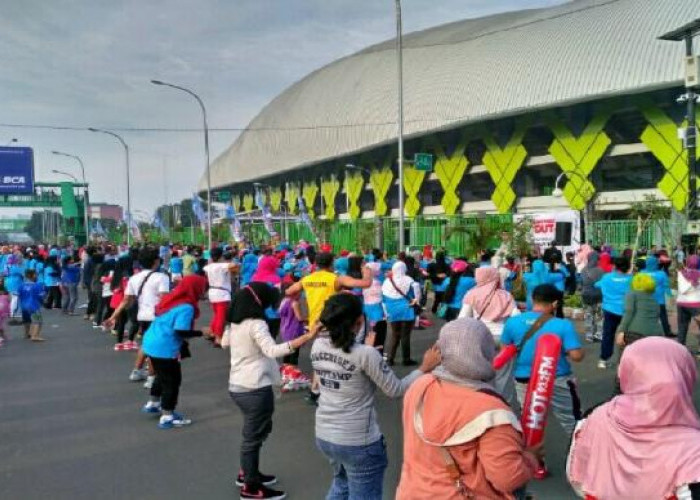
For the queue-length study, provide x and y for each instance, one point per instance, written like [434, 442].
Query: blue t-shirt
[559, 276]
[614, 286]
[662, 286]
[176, 265]
[465, 284]
[31, 295]
[15, 278]
[71, 274]
[515, 329]
[52, 276]
[160, 340]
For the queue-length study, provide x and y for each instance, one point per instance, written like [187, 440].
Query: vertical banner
[159, 224]
[235, 226]
[305, 217]
[198, 209]
[261, 202]
[132, 227]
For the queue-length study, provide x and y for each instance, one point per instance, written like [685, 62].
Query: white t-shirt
[219, 277]
[157, 284]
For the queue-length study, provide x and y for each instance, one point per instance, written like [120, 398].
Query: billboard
[544, 228]
[16, 170]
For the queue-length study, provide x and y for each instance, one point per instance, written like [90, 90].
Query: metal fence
[457, 234]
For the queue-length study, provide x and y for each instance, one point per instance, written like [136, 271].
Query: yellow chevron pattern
[309, 191]
[412, 181]
[354, 184]
[450, 170]
[503, 164]
[329, 191]
[291, 196]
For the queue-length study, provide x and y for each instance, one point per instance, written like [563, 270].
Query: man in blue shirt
[566, 405]
[614, 286]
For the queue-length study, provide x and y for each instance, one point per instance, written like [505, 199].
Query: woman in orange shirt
[460, 436]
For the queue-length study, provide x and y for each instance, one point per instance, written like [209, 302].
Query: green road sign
[222, 196]
[423, 161]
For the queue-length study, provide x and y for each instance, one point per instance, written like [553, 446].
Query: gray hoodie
[346, 414]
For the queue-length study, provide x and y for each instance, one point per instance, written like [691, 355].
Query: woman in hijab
[539, 275]
[400, 294]
[438, 271]
[164, 343]
[592, 297]
[268, 271]
[248, 267]
[460, 438]
[493, 306]
[458, 284]
[582, 255]
[253, 374]
[688, 300]
[644, 443]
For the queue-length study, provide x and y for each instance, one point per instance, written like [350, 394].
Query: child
[291, 327]
[4, 309]
[31, 296]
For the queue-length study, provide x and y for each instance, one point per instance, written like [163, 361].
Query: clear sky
[88, 63]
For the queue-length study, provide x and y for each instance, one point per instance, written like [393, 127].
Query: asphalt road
[70, 425]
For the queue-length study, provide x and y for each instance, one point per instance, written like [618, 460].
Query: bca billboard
[16, 170]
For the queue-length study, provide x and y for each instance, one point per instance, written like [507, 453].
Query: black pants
[257, 407]
[274, 326]
[400, 333]
[102, 312]
[93, 302]
[451, 314]
[166, 386]
[663, 315]
[292, 359]
[380, 333]
[607, 345]
[439, 297]
[53, 298]
[120, 325]
[685, 314]
[132, 315]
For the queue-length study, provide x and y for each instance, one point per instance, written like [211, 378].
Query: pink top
[4, 305]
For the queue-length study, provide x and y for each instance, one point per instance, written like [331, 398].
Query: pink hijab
[646, 442]
[488, 301]
[267, 271]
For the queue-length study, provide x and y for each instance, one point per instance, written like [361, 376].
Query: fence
[459, 235]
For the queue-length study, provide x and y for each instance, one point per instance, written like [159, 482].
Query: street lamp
[206, 148]
[685, 34]
[85, 192]
[128, 179]
[61, 172]
[399, 60]
[557, 192]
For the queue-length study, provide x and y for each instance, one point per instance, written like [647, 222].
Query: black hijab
[251, 301]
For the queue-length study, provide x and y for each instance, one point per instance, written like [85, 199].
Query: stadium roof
[460, 73]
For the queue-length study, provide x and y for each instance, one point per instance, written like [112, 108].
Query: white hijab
[403, 282]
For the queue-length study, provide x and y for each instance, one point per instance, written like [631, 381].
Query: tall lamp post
[685, 34]
[85, 192]
[399, 61]
[206, 149]
[128, 180]
[557, 192]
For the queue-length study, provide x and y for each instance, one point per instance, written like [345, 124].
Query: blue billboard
[16, 170]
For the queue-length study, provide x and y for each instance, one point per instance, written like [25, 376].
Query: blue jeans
[358, 471]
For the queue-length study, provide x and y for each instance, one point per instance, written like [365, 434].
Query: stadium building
[504, 103]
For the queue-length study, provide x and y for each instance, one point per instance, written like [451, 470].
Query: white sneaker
[174, 420]
[137, 375]
[149, 382]
[603, 365]
[151, 407]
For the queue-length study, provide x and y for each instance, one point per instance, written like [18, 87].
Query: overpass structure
[55, 195]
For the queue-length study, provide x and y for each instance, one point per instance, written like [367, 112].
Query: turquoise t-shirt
[465, 284]
[160, 340]
[515, 329]
[614, 286]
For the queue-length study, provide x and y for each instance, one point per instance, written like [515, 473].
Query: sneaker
[603, 365]
[134, 346]
[137, 375]
[541, 472]
[151, 407]
[262, 492]
[176, 420]
[96, 326]
[119, 346]
[149, 381]
[264, 479]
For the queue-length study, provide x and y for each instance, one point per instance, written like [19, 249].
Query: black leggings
[257, 407]
[53, 297]
[400, 333]
[166, 385]
[439, 297]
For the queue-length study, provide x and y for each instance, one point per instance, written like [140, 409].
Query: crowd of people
[462, 431]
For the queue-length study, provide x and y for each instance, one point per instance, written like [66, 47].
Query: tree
[652, 212]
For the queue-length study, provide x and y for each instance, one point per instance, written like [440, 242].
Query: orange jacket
[491, 457]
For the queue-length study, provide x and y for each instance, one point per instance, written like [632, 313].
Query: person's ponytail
[339, 316]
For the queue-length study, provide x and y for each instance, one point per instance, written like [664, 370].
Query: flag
[198, 209]
[235, 226]
[304, 215]
[132, 226]
[159, 224]
[266, 214]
